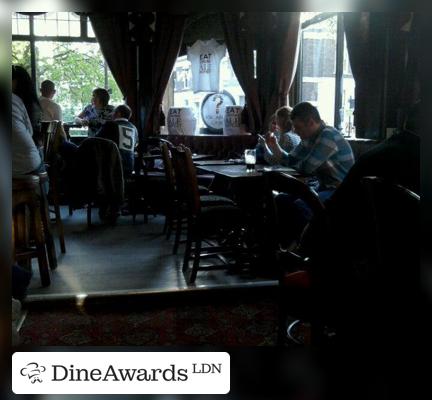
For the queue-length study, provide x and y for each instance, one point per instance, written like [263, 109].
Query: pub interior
[214, 178]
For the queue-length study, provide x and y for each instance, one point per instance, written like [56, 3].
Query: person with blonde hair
[280, 128]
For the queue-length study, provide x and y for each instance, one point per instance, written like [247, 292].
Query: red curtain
[277, 50]
[112, 33]
[168, 38]
[366, 36]
[240, 42]
[274, 36]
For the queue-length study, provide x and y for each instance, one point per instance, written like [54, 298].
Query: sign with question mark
[213, 110]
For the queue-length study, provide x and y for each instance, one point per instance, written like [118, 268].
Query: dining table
[249, 191]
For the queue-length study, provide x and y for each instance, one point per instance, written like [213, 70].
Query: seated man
[322, 153]
[124, 134]
[50, 109]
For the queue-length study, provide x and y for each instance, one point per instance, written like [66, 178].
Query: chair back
[389, 283]
[152, 144]
[48, 135]
[395, 222]
[186, 179]
[168, 167]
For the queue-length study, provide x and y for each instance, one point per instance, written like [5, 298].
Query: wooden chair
[211, 224]
[139, 182]
[27, 218]
[389, 289]
[296, 284]
[171, 210]
[51, 138]
[176, 217]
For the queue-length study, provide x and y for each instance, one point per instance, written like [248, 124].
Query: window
[323, 62]
[20, 24]
[183, 95]
[57, 24]
[63, 48]
[76, 68]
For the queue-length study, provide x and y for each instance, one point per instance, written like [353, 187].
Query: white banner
[120, 373]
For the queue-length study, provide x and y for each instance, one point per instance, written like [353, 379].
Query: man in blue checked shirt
[323, 153]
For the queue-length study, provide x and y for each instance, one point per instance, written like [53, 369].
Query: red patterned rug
[239, 323]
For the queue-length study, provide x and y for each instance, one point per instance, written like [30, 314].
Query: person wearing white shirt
[51, 110]
[25, 155]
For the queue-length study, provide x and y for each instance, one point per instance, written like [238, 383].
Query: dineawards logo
[121, 373]
[33, 371]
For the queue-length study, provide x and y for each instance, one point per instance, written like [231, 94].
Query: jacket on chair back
[99, 172]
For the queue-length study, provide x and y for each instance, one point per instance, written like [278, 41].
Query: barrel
[232, 120]
[181, 121]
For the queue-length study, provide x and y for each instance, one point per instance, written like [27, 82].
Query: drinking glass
[250, 159]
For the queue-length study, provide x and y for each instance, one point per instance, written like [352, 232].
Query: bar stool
[26, 199]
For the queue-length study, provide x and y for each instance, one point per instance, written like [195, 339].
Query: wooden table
[231, 170]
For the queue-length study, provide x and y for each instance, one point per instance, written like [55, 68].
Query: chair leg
[188, 249]
[165, 227]
[41, 251]
[59, 223]
[58, 220]
[170, 223]
[196, 261]
[282, 315]
[89, 212]
[49, 239]
[179, 226]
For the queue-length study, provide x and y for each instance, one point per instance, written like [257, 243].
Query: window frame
[340, 38]
[32, 39]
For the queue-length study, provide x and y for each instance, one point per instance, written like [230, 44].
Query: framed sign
[213, 110]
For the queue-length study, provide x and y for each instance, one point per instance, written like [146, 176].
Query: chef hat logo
[33, 371]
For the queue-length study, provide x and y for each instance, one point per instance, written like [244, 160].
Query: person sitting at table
[51, 111]
[323, 153]
[97, 113]
[26, 158]
[124, 134]
[22, 86]
[281, 129]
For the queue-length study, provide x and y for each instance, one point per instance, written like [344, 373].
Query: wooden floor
[126, 259]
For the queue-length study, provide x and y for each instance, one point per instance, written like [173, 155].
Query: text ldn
[62, 373]
[204, 368]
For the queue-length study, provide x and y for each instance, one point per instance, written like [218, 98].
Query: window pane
[75, 28]
[180, 93]
[319, 66]
[348, 86]
[21, 54]
[20, 24]
[63, 28]
[76, 69]
[90, 32]
[57, 24]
